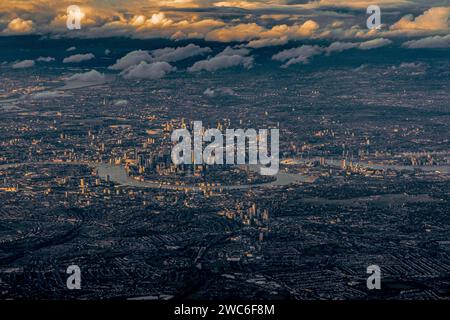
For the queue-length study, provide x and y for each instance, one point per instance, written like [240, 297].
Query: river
[117, 174]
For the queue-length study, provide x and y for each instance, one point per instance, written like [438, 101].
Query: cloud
[261, 23]
[309, 4]
[229, 51]
[196, 29]
[45, 59]
[304, 53]
[31, 63]
[166, 54]
[23, 64]
[241, 4]
[282, 34]
[260, 43]
[222, 62]
[359, 4]
[240, 32]
[19, 26]
[76, 58]
[375, 43]
[229, 57]
[259, 36]
[71, 49]
[301, 54]
[340, 46]
[131, 59]
[92, 76]
[144, 70]
[180, 53]
[296, 31]
[429, 42]
[346, 32]
[158, 25]
[433, 19]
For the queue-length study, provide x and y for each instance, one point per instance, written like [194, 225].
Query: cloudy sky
[298, 31]
[258, 23]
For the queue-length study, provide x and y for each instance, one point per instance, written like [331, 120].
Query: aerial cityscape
[88, 182]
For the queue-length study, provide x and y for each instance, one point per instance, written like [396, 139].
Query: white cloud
[166, 54]
[260, 36]
[241, 4]
[140, 26]
[260, 43]
[433, 19]
[240, 32]
[229, 51]
[90, 76]
[304, 53]
[144, 70]
[358, 4]
[145, 22]
[180, 53]
[222, 62]
[45, 59]
[76, 58]
[19, 26]
[71, 49]
[366, 45]
[131, 59]
[340, 46]
[375, 43]
[23, 64]
[281, 34]
[297, 55]
[429, 42]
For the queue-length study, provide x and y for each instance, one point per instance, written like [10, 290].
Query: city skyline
[88, 184]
